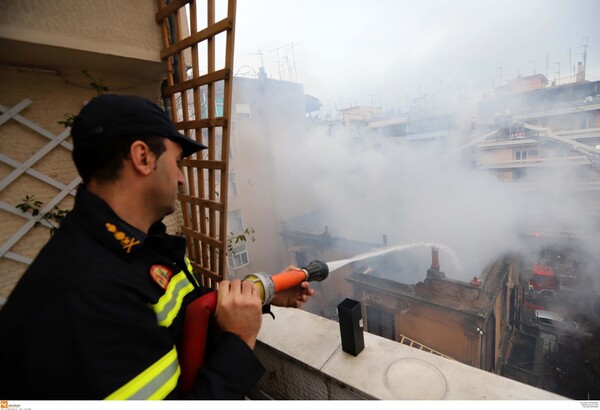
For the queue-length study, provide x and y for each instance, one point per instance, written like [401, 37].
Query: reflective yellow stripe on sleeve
[154, 383]
[188, 263]
[168, 306]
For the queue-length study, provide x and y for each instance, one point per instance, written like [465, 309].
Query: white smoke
[416, 194]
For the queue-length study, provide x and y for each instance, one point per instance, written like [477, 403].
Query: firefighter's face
[167, 178]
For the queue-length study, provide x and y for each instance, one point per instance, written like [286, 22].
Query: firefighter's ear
[142, 158]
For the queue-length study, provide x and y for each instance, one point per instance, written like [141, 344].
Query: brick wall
[447, 291]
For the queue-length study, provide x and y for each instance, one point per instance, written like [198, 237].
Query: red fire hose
[199, 312]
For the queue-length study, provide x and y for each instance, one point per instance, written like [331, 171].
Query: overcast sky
[391, 51]
[388, 51]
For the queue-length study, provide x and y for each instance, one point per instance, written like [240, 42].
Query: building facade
[530, 134]
[467, 321]
[265, 114]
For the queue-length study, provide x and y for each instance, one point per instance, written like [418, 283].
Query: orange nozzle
[288, 279]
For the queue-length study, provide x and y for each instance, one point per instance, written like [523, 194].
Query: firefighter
[99, 313]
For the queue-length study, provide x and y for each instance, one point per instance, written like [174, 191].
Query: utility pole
[585, 55]
[558, 73]
[570, 67]
[294, 63]
[262, 61]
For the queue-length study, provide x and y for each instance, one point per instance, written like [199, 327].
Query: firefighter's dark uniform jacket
[99, 315]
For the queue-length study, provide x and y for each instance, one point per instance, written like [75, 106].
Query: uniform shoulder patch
[161, 275]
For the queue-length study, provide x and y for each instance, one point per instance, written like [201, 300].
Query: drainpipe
[172, 39]
[482, 346]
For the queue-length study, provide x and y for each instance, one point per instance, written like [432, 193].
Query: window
[519, 174]
[524, 154]
[301, 258]
[219, 106]
[232, 184]
[204, 104]
[587, 122]
[239, 257]
[243, 111]
[234, 221]
[380, 322]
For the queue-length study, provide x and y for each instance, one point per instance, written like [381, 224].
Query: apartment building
[528, 131]
[265, 113]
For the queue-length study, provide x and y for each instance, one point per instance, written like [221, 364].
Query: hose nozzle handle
[317, 271]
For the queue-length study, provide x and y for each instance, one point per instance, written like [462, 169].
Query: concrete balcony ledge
[304, 360]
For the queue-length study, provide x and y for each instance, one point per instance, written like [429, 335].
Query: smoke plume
[416, 194]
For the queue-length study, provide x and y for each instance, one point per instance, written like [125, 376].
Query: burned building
[403, 300]
[466, 321]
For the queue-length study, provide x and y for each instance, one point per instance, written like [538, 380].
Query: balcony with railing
[564, 107]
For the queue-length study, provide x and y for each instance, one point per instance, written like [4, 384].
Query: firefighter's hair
[102, 159]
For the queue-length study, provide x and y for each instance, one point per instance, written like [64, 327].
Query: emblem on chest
[161, 275]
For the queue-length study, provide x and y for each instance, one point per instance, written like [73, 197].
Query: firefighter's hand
[293, 297]
[239, 309]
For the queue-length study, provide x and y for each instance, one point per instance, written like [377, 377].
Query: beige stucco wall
[123, 28]
[52, 95]
[44, 47]
[277, 112]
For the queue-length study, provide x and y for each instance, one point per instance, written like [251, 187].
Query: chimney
[580, 75]
[262, 74]
[435, 258]
[434, 271]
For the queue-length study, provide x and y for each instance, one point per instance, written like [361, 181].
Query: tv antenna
[290, 65]
[262, 58]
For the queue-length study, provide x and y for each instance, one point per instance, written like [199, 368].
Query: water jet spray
[334, 265]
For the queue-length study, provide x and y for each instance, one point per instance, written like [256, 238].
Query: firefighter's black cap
[112, 116]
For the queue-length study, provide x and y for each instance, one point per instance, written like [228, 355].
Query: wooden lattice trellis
[193, 95]
[26, 167]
